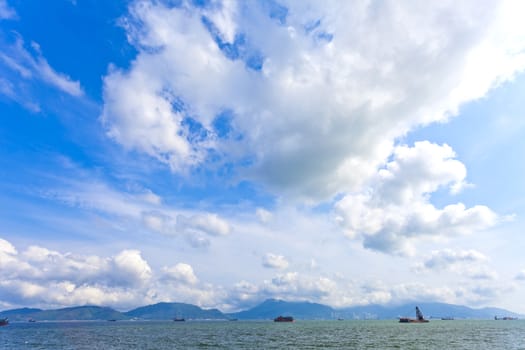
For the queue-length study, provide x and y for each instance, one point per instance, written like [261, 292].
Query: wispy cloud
[49, 75]
[26, 66]
[445, 258]
[6, 12]
[520, 276]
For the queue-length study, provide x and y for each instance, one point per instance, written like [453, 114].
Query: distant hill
[272, 308]
[430, 310]
[19, 314]
[168, 311]
[438, 310]
[267, 310]
[160, 311]
[80, 313]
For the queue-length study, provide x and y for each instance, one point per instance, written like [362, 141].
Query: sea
[342, 334]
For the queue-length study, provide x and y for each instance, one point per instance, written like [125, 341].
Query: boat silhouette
[419, 318]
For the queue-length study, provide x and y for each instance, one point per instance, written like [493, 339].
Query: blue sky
[221, 153]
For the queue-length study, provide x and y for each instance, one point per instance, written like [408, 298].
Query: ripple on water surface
[264, 335]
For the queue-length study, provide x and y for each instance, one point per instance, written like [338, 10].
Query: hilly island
[267, 310]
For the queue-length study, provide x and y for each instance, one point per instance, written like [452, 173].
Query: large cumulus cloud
[314, 94]
[310, 101]
[395, 208]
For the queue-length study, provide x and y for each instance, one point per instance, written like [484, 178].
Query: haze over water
[161, 335]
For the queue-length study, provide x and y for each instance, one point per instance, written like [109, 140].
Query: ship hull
[283, 319]
[411, 320]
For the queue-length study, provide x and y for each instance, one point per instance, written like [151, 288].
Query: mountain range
[267, 310]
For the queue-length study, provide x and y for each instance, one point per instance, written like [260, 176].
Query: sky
[221, 153]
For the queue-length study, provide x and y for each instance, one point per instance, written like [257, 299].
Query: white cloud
[481, 273]
[197, 240]
[7, 248]
[520, 276]
[6, 12]
[9, 263]
[322, 119]
[223, 15]
[39, 276]
[444, 258]
[142, 209]
[130, 268]
[46, 278]
[52, 77]
[181, 273]
[329, 101]
[467, 263]
[146, 122]
[420, 170]
[296, 286]
[11, 91]
[275, 261]
[263, 215]
[151, 197]
[41, 265]
[208, 223]
[157, 221]
[341, 292]
[395, 209]
[96, 195]
[30, 64]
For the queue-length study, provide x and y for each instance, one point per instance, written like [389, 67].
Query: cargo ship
[506, 318]
[283, 319]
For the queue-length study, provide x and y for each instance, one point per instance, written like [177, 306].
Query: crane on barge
[419, 318]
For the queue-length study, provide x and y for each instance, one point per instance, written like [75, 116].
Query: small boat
[4, 321]
[179, 319]
[31, 320]
[506, 318]
[419, 318]
[283, 319]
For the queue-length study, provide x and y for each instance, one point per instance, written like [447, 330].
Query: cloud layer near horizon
[41, 277]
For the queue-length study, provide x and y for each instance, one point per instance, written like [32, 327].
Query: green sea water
[458, 334]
